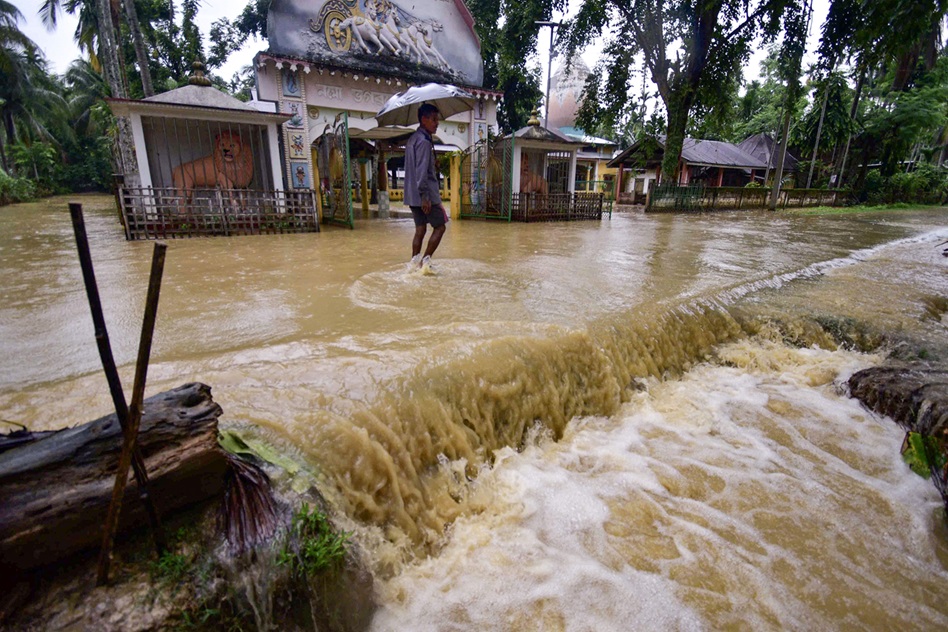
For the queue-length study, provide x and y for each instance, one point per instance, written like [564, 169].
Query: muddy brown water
[572, 426]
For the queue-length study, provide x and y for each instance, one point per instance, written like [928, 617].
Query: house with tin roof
[712, 163]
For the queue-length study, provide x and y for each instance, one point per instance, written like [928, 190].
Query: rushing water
[587, 426]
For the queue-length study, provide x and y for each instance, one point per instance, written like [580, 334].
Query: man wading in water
[421, 187]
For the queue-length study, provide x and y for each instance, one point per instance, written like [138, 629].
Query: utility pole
[549, 70]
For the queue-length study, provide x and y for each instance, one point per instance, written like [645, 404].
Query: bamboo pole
[108, 365]
[134, 413]
[819, 132]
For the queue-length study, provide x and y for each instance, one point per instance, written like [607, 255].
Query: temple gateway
[308, 147]
[332, 64]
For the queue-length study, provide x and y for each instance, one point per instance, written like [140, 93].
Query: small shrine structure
[208, 164]
[530, 176]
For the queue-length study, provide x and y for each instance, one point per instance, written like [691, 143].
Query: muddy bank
[914, 396]
[245, 548]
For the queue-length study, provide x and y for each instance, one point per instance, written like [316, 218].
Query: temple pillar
[455, 184]
[317, 184]
[382, 183]
[364, 187]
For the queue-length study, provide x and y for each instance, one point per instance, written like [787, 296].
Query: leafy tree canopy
[693, 51]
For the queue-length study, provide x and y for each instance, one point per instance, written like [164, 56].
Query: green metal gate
[334, 170]
[673, 197]
[487, 180]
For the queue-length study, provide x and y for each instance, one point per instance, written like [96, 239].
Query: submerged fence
[156, 213]
[667, 197]
[552, 207]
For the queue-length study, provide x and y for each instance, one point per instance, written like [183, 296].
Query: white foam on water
[823, 267]
[749, 494]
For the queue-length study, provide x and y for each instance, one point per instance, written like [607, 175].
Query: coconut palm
[88, 29]
[86, 35]
[20, 65]
[86, 99]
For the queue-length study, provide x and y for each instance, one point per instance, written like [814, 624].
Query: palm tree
[17, 51]
[131, 17]
[86, 99]
[88, 30]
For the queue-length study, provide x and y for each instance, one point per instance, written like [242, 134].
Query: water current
[633, 424]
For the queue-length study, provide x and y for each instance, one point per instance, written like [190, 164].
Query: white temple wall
[315, 98]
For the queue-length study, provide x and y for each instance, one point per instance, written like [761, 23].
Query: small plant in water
[311, 545]
[171, 568]
[924, 453]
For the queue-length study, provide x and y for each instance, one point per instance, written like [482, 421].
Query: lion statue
[532, 182]
[230, 166]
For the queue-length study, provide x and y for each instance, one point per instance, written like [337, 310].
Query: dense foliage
[693, 52]
[56, 132]
[870, 114]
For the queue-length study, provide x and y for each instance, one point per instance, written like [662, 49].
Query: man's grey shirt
[421, 179]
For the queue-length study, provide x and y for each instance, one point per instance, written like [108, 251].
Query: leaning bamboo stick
[135, 411]
[108, 365]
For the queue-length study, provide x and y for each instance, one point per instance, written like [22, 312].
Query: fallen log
[55, 488]
[915, 398]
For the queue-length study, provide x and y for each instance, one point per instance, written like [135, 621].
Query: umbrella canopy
[402, 109]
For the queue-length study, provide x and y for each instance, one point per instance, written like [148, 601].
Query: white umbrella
[402, 109]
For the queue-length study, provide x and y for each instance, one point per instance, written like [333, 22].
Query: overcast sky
[61, 50]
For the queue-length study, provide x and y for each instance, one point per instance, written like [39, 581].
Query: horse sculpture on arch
[364, 30]
[416, 38]
[379, 30]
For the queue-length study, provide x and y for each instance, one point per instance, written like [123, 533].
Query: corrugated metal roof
[201, 96]
[579, 135]
[762, 146]
[712, 153]
[716, 153]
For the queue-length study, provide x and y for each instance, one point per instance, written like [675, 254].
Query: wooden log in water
[915, 398]
[55, 489]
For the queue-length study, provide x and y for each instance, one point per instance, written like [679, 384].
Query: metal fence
[605, 187]
[671, 197]
[487, 180]
[166, 213]
[554, 207]
[690, 198]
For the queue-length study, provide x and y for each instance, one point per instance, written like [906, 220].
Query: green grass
[171, 568]
[312, 546]
[844, 210]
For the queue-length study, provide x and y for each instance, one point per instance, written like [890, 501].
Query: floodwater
[633, 424]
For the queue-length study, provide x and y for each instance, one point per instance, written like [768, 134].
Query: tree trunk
[781, 154]
[819, 133]
[852, 116]
[770, 159]
[9, 130]
[678, 108]
[131, 17]
[55, 487]
[109, 51]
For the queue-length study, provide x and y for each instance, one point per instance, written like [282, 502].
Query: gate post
[455, 185]
[364, 187]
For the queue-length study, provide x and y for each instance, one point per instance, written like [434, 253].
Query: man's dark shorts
[437, 216]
